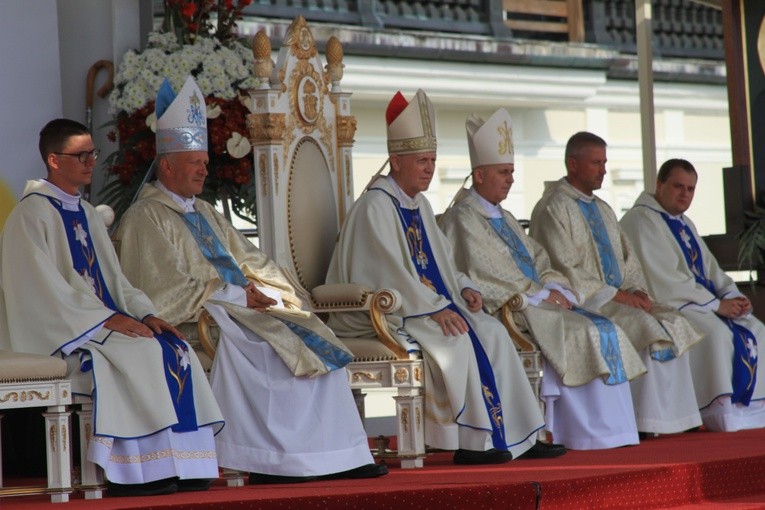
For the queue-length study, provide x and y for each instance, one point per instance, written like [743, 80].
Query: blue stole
[425, 264]
[608, 262]
[175, 352]
[213, 250]
[744, 359]
[609, 340]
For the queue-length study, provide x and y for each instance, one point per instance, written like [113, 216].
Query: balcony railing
[681, 28]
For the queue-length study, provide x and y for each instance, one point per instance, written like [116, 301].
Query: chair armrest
[517, 303]
[351, 297]
[204, 324]
[341, 297]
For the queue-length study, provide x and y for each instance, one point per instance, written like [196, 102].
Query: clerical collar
[186, 204]
[580, 196]
[405, 200]
[652, 203]
[493, 211]
[68, 202]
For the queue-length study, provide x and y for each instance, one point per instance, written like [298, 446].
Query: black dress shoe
[473, 457]
[262, 478]
[194, 484]
[542, 450]
[155, 488]
[365, 471]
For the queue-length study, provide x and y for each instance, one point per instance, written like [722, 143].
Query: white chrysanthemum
[219, 70]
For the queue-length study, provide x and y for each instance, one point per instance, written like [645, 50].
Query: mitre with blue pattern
[181, 118]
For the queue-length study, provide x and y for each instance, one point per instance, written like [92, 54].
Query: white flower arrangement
[220, 71]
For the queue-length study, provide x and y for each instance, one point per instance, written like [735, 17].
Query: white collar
[68, 202]
[581, 196]
[405, 200]
[494, 211]
[187, 204]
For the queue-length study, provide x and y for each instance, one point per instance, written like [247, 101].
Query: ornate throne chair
[301, 129]
[33, 380]
[302, 133]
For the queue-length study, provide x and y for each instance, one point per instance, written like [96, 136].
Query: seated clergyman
[478, 400]
[278, 372]
[682, 272]
[589, 360]
[152, 402]
[585, 243]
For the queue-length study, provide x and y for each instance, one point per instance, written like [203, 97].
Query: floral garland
[221, 66]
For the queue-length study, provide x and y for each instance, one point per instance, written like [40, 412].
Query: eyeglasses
[84, 156]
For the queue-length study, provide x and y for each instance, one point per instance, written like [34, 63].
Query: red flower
[244, 3]
[189, 9]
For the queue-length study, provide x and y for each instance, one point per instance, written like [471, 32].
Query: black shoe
[262, 478]
[542, 450]
[365, 471]
[194, 484]
[155, 488]
[477, 457]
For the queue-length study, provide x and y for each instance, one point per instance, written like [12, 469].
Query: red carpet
[693, 470]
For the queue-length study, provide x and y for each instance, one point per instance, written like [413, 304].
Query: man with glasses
[153, 403]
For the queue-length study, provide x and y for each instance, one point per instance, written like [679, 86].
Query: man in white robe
[583, 239]
[278, 371]
[588, 359]
[682, 272]
[477, 399]
[63, 294]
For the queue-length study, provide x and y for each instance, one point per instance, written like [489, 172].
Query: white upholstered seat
[33, 380]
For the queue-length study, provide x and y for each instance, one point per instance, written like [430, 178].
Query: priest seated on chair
[63, 294]
[586, 244]
[478, 400]
[278, 371]
[589, 360]
[682, 272]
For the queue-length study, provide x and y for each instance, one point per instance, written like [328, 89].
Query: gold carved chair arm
[204, 324]
[517, 303]
[351, 297]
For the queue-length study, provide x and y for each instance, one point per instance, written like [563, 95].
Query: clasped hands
[635, 299]
[133, 328]
[735, 307]
[452, 323]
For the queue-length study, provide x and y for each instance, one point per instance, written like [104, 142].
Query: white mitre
[181, 119]
[411, 126]
[490, 142]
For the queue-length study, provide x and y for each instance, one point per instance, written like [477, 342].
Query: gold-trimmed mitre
[411, 126]
[491, 141]
[181, 119]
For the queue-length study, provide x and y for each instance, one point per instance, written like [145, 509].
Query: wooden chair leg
[411, 427]
[92, 475]
[234, 478]
[358, 397]
[58, 445]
